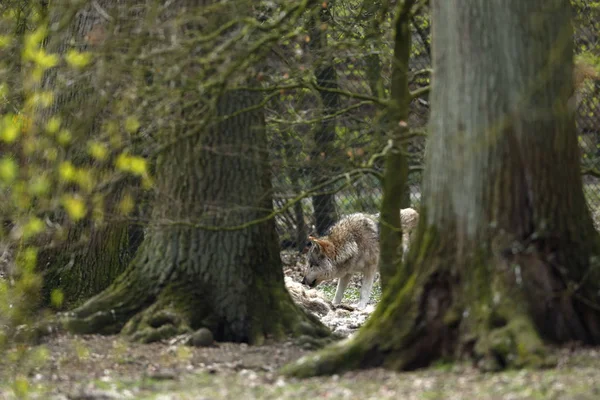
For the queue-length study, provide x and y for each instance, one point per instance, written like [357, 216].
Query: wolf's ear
[326, 246]
[310, 242]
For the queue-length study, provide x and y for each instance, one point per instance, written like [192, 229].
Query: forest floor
[110, 367]
[93, 367]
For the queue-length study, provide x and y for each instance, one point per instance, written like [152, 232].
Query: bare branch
[420, 92]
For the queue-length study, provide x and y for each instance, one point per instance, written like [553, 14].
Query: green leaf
[74, 206]
[78, 60]
[8, 170]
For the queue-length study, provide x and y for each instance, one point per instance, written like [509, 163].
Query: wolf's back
[409, 218]
[360, 227]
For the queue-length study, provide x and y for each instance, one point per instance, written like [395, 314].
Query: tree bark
[326, 76]
[505, 258]
[93, 255]
[396, 163]
[211, 260]
[374, 10]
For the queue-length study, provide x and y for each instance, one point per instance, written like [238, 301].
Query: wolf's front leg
[405, 244]
[366, 287]
[341, 287]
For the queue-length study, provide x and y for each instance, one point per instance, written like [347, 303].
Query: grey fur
[351, 246]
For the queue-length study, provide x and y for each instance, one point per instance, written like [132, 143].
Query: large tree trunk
[505, 257]
[211, 259]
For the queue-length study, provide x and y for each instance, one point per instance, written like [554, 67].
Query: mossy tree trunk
[323, 155]
[211, 258]
[396, 163]
[506, 256]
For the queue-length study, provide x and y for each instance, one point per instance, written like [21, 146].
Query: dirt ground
[110, 367]
[96, 367]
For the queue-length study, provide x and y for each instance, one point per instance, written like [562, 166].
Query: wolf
[351, 246]
[409, 218]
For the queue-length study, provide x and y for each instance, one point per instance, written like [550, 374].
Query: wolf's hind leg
[341, 287]
[366, 287]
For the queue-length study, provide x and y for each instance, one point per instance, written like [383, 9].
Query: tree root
[157, 322]
[365, 348]
[339, 357]
[425, 322]
[312, 342]
[154, 314]
[515, 345]
[107, 312]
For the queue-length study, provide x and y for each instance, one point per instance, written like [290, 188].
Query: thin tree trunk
[301, 233]
[505, 256]
[324, 152]
[396, 163]
[295, 174]
[374, 10]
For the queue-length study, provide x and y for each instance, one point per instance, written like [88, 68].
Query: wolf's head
[320, 254]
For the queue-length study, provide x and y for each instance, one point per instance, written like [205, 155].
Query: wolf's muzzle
[309, 284]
